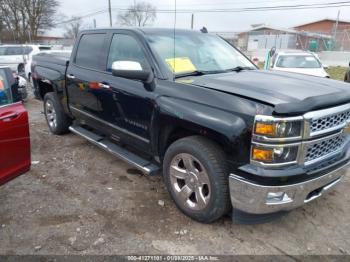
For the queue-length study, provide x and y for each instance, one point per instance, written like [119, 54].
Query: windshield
[196, 52]
[299, 61]
[15, 50]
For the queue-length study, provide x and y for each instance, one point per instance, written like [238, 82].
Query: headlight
[271, 154]
[277, 128]
[276, 141]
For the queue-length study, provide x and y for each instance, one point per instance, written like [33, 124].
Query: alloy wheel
[190, 181]
[51, 114]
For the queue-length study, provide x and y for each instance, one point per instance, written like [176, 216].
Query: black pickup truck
[227, 136]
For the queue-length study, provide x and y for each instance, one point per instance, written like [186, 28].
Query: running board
[131, 158]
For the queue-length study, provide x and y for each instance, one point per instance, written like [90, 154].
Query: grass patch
[337, 72]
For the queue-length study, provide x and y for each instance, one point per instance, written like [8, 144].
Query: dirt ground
[78, 199]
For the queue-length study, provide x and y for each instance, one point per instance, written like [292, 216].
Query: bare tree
[41, 14]
[141, 14]
[72, 28]
[25, 19]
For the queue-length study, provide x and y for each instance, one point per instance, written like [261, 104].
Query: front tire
[196, 176]
[56, 118]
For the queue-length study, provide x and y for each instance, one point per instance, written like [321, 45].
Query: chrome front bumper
[259, 199]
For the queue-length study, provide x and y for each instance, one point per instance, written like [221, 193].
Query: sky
[215, 22]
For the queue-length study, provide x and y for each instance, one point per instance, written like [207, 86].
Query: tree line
[21, 21]
[138, 15]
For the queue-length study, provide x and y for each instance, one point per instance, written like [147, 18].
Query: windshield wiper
[201, 72]
[240, 68]
[193, 73]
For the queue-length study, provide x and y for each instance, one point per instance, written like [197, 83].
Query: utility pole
[110, 13]
[192, 21]
[30, 37]
[336, 28]
[135, 13]
[94, 23]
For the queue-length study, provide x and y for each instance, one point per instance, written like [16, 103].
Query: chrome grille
[322, 148]
[330, 121]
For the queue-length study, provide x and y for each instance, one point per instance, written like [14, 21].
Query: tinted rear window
[90, 50]
[15, 50]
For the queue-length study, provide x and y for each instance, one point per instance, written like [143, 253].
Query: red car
[14, 129]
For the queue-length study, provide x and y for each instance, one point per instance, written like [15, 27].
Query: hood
[320, 72]
[289, 93]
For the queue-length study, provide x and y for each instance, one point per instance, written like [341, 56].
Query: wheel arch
[171, 133]
[177, 119]
[45, 87]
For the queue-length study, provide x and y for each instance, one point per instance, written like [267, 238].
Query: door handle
[8, 117]
[70, 76]
[105, 86]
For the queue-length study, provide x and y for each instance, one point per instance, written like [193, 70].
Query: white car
[19, 57]
[299, 62]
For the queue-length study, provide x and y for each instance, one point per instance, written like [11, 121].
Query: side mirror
[325, 66]
[131, 70]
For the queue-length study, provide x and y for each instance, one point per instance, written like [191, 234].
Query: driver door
[14, 131]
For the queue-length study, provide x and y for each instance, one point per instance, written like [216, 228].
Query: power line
[262, 8]
[239, 3]
[232, 10]
[82, 16]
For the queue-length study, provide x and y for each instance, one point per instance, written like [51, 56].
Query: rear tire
[196, 176]
[57, 120]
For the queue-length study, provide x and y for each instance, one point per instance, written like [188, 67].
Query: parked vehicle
[19, 57]
[14, 129]
[224, 133]
[299, 62]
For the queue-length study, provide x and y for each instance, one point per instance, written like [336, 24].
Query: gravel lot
[78, 199]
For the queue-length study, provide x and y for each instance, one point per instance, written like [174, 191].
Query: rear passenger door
[83, 74]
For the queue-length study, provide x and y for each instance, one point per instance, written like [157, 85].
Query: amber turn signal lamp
[264, 129]
[265, 155]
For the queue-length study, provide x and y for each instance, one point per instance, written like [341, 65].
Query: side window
[5, 90]
[126, 48]
[28, 50]
[89, 50]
